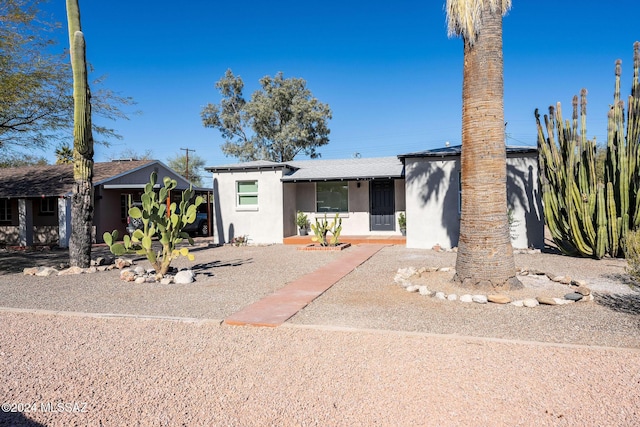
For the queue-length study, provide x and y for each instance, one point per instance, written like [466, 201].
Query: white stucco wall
[263, 223]
[524, 199]
[432, 200]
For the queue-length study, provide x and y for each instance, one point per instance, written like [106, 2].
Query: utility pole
[187, 167]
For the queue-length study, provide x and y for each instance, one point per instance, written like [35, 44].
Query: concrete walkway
[276, 308]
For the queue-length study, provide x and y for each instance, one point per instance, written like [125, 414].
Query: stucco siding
[523, 197]
[432, 198]
[432, 202]
[262, 223]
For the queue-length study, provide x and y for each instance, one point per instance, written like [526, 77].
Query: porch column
[25, 222]
[64, 221]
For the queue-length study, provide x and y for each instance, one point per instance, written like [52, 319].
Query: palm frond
[464, 17]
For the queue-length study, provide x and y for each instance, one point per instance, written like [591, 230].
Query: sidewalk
[276, 308]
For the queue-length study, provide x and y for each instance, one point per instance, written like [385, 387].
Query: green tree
[64, 154]
[16, 160]
[131, 154]
[36, 99]
[191, 168]
[281, 120]
[485, 255]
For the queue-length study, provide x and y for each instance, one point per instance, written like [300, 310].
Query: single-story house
[259, 199]
[35, 201]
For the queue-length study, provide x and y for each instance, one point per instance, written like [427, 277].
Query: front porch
[354, 240]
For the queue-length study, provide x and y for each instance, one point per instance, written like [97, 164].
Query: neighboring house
[259, 199]
[35, 201]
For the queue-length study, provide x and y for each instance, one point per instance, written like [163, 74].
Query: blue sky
[390, 74]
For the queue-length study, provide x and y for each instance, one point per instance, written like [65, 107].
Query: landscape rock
[452, 297]
[518, 303]
[480, 299]
[562, 301]
[121, 263]
[166, 280]
[140, 280]
[565, 280]
[573, 296]
[499, 299]
[423, 290]
[127, 275]
[530, 302]
[184, 277]
[71, 270]
[412, 288]
[30, 271]
[441, 295]
[547, 301]
[466, 298]
[583, 290]
[46, 272]
[405, 273]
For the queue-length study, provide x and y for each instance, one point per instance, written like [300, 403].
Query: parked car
[200, 226]
[134, 223]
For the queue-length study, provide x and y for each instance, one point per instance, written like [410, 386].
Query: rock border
[128, 273]
[579, 292]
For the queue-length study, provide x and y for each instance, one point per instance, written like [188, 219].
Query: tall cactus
[586, 217]
[161, 221]
[82, 199]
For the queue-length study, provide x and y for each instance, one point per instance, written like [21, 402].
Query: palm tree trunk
[485, 255]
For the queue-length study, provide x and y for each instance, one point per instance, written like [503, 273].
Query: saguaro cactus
[586, 217]
[82, 199]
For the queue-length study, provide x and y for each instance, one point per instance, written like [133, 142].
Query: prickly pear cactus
[322, 228]
[158, 220]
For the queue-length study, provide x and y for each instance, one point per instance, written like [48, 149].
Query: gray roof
[324, 170]
[345, 169]
[57, 180]
[252, 165]
[455, 150]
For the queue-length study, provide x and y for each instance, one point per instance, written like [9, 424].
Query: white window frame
[239, 195]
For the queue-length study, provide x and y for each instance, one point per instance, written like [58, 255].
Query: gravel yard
[365, 352]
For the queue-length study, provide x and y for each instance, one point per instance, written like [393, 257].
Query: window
[5, 210]
[247, 194]
[332, 196]
[124, 206]
[48, 206]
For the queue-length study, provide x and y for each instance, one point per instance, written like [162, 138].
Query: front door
[382, 205]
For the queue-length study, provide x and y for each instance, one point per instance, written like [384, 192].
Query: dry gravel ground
[364, 353]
